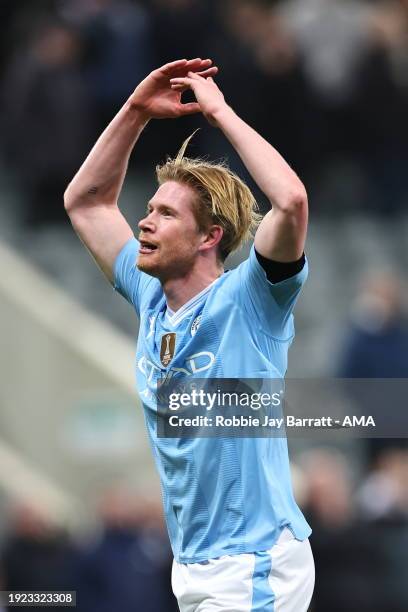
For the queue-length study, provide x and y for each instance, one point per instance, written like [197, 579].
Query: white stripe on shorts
[278, 580]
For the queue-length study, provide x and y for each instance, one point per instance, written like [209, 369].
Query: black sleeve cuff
[277, 271]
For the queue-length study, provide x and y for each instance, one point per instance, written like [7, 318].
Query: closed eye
[162, 210]
[167, 212]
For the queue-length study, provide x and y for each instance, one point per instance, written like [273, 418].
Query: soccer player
[239, 540]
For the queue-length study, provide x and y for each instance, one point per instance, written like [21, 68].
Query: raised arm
[91, 199]
[281, 234]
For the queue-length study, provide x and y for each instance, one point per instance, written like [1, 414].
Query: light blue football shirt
[221, 496]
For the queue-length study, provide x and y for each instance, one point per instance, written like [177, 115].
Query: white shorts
[277, 580]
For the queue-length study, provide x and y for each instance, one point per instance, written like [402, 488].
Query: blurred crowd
[360, 531]
[324, 80]
[122, 562]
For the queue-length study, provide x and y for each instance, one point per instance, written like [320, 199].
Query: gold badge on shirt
[167, 348]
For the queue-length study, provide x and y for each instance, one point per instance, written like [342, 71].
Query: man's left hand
[209, 97]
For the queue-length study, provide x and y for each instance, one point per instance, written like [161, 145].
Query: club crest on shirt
[167, 348]
[195, 325]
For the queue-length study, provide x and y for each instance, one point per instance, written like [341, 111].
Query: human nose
[146, 224]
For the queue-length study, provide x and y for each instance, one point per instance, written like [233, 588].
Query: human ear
[211, 238]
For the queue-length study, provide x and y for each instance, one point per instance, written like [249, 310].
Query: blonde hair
[223, 198]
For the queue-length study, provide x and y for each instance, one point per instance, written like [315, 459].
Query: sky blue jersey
[227, 495]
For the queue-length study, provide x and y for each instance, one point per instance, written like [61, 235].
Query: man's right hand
[155, 99]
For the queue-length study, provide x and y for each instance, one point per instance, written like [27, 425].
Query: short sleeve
[129, 281]
[271, 304]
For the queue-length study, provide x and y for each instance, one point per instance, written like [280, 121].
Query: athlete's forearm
[267, 167]
[100, 178]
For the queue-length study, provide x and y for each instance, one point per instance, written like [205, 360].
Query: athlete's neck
[179, 291]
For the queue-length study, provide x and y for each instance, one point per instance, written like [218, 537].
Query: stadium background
[326, 81]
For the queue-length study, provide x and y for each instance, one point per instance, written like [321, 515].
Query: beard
[168, 263]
